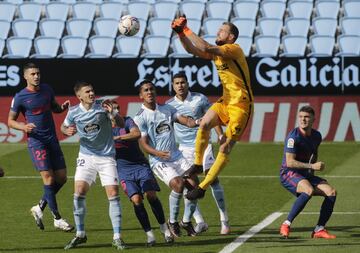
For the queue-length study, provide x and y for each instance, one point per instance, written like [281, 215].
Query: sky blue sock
[326, 210]
[115, 213]
[218, 194]
[298, 206]
[189, 209]
[79, 212]
[174, 205]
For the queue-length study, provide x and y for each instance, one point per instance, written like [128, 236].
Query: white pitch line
[250, 233]
[230, 177]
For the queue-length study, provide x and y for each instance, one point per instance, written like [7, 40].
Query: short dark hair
[30, 65]
[143, 82]
[308, 109]
[233, 30]
[180, 74]
[78, 85]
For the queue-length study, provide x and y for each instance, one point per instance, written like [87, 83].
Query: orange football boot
[322, 234]
[284, 230]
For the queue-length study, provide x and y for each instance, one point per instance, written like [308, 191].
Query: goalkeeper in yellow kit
[235, 106]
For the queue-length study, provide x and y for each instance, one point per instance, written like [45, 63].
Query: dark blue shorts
[290, 179]
[47, 156]
[137, 179]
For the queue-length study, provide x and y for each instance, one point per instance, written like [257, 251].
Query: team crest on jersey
[290, 143]
[91, 128]
[162, 128]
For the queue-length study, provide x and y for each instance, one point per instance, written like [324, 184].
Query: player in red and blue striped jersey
[297, 174]
[37, 103]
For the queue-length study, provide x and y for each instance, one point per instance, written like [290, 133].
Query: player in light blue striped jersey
[195, 105]
[155, 122]
[91, 119]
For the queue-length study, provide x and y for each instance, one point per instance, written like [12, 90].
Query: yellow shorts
[235, 117]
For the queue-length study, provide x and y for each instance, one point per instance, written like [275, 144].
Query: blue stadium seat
[18, 47]
[111, 10]
[178, 49]
[165, 9]
[106, 27]
[84, 10]
[30, 10]
[7, 11]
[128, 47]
[350, 26]
[160, 27]
[297, 26]
[2, 46]
[246, 26]
[211, 25]
[273, 9]
[73, 47]
[327, 8]
[219, 9]
[4, 29]
[349, 45]
[300, 9]
[266, 46]
[51, 27]
[192, 9]
[351, 8]
[24, 28]
[321, 45]
[139, 9]
[46, 47]
[100, 46]
[245, 43]
[294, 46]
[55, 10]
[270, 26]
[246, 9]
[79, 27]
[156, 46]
[194, 25]
[324, 26]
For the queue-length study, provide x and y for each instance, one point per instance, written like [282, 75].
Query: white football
[129, 25]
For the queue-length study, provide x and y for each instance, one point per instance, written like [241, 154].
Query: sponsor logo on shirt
[163, 128]
[290, 143]
[92, 128]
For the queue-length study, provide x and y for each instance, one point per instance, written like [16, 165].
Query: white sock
[80, 234]
[116, 236]
[150, 236]
[287, 222]
[318, 228]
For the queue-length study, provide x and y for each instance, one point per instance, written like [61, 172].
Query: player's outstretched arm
[187, 121]
[133, 135]
[291, 162]
[144, 142]
[13, 123]
[68, 130]
[57, 108]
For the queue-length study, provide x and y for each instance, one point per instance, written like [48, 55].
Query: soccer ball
[129, 25]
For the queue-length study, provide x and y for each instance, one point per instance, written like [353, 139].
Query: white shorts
[89, 165]
[166, 171]
[189, 154]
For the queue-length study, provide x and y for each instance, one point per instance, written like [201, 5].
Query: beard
[219, 42]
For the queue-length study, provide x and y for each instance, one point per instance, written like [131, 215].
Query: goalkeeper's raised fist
[179, 24]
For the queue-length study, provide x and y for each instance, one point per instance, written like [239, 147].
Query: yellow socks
[201, 143]
[215, 170]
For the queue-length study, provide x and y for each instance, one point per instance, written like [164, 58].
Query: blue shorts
[290, 179]
[137, 179]
[47, 156]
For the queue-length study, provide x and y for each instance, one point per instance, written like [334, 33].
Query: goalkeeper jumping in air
[235, 106]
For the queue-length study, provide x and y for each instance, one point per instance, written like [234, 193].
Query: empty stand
[350, 26]
[212, 25]
[294, 46]
[192, 9]
[100, 46]
[178, 49]
[300, 9]
[156, 46]
[266, 46]
[4, 29]
[273, 9]
[165, 9]
[128, 47]
[106, 27]
[245, 43]
[79, 27]
[7, 11]
[219, 9]
[270, 26]
[321, 45]
[111, 10]
[327, 9]
[73, 47]
[30, 10]
[52, 27]
[351, 8]
[46, 47]
[297, 26]
[56, 10]
[349, 45]
[84, 10]
[18, 47]
[139, 9]
[325, 26]
[246, 9]
[246, 26]
[160, 27]
[24, 28]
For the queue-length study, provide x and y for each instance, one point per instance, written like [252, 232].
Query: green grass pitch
[249, 199]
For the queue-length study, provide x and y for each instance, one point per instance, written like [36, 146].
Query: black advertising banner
[269, 76]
